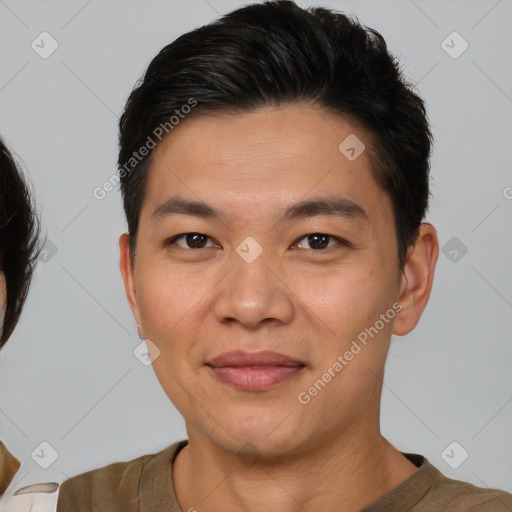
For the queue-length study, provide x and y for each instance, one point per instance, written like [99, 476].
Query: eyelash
[341, 241]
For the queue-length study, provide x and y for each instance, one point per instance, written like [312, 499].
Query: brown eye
[190, 240]
[318, 241]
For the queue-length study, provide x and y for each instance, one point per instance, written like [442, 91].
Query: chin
[265, 435]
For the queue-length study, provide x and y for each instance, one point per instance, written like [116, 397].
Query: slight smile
[255, 371]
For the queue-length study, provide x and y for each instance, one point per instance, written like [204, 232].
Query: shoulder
[465, 497]
[32, 498]
[459, 496]
[103, 485]
[115, 487]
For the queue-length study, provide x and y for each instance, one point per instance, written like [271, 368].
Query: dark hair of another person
[276, 53]
[19, 234]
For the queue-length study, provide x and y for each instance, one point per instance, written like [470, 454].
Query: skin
[3, 294]
[305, 302]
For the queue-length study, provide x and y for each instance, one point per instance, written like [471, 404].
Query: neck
[346, 474]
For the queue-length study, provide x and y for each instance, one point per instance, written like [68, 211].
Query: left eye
[319, 241]
[191, 240]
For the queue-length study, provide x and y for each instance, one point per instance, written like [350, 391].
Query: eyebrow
[333, 206]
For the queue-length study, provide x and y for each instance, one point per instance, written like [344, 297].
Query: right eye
[190, 241]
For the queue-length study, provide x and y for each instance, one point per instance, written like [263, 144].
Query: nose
[253, 294]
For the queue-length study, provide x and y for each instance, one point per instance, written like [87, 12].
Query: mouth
[255, 371]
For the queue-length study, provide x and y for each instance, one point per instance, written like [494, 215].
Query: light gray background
[69, 376]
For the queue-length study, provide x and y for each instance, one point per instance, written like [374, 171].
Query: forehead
[273, 156]
[278, 134]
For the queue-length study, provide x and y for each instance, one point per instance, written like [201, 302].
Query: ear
[127, 271]
[417, 279]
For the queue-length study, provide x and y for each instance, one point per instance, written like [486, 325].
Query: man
[19, 231]
[274, 169]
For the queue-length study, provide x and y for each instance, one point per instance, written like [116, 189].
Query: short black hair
[276, 53]
[19, 238]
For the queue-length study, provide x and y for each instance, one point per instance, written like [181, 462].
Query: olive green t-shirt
[145, 485]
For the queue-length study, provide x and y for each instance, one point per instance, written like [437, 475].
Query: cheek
[171, 305]
[166, 298]
[346, 301]
[168, 309]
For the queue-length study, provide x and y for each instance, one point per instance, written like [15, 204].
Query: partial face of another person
[3, 296]
[19, 234]
[294, 251]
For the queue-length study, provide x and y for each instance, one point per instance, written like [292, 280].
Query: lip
[240, 358]
[256, 371]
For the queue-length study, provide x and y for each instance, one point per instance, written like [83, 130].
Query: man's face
[307, 298]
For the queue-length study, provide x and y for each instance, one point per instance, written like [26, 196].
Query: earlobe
[417, 279]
